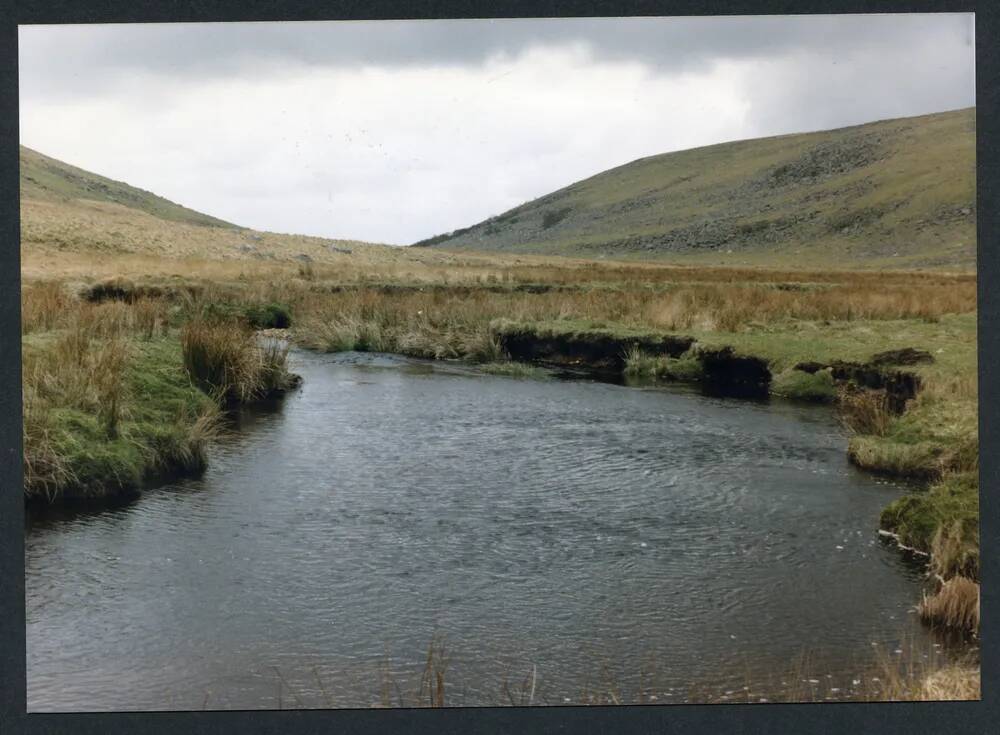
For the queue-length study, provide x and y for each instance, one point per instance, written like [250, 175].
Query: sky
[394, 131]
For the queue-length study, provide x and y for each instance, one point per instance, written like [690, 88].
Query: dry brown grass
[909, 673]
[79, 371]
[51, 305]
[952, 683]
[864, 412]
[650, 295]
[718, 307]
[46, 470]
[42, 305]
[227, 360]
[908, 681]
[951, 552]
[955, 605]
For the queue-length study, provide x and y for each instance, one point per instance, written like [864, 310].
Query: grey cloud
[54, 56]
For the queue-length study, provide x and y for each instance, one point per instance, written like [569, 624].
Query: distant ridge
[66, 210]
[46, 178]
[895, 192]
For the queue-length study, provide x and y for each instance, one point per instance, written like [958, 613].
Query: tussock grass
[919, 460]
[100, 413]
[227, 361]
[46, 470]
[43, 304]
[107, 400]
[865, 412]
[952, 683]
[910, 681]
[942, 521]
[81, 372]
[954, 605]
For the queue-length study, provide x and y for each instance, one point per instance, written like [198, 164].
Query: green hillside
[46, 178]
[895, 193]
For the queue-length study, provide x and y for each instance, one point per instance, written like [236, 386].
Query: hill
[69, 214]
[48, 179]
[896, 193]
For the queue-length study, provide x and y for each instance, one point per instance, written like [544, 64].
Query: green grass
[818, 387]
[943, 520]
[895, 193]
[686, 368]
[514, 369]
[938, 433]
[784, 343]
[164, 423]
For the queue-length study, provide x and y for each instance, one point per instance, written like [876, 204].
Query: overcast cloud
[392, 131]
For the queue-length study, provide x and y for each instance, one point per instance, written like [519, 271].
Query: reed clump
[952, 683]
[227, 360]
[955, 605]
[42, 306]
[864, 412]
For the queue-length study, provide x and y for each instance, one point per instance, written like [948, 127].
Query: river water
[573, 538]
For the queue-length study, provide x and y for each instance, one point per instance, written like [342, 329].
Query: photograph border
[885, 718]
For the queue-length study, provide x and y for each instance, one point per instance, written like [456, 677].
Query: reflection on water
[587, 531]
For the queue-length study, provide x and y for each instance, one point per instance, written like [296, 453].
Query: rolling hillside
[896, 193]
[48, 179]
[68, 213]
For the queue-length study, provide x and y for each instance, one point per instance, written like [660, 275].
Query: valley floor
[127, 361]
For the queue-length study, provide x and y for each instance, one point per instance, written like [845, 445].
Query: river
[578, 535]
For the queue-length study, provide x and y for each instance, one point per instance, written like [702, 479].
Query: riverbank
[115, 395]
[810, 336]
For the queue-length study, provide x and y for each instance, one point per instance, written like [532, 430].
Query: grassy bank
[114, 393]
[803, 335]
